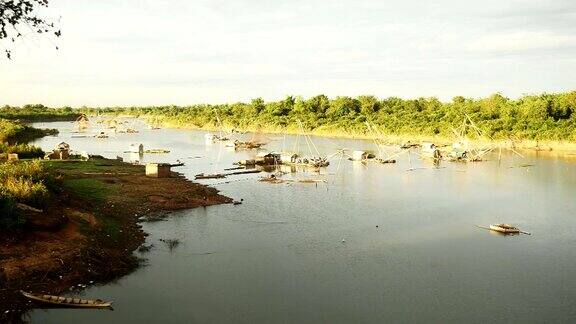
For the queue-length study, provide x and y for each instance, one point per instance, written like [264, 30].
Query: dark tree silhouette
[19, 14]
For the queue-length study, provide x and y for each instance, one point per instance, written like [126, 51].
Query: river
[373, 244]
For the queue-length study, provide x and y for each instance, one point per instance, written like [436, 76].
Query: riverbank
[559, 147]
[89, 231]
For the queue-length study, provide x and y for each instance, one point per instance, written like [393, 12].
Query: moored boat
[504, 228]
[67, 301]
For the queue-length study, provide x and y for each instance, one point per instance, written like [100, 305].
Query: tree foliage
[545, 116]
[16, 15]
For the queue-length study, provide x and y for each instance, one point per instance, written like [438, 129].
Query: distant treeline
[541, 117]
[33, 113]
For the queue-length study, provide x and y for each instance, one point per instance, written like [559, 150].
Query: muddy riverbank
[89, 232]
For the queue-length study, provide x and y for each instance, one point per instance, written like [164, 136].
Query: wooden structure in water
[314, 160]
[262, 158]
[67, 301]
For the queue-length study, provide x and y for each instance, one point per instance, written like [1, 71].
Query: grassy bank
[12, 132]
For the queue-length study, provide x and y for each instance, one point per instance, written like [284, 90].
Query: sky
[181, 52]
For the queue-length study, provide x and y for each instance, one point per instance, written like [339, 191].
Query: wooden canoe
[67, 301]
[505, 228]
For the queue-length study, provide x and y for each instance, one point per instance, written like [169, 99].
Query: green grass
[110, 227]
[71, 167]
[93, 190]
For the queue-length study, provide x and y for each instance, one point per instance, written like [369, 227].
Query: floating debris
[224, 175]
[243, 172]
[521, 166]
[262, 158]
[209, 176]
[296, 160]
[157, 151]
[248, 145]
[235, 168]
[275, 179]
[384, 161]
[171, 243]
[361, 156]
[145, 248]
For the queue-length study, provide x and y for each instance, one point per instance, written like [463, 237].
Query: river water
[373, 244]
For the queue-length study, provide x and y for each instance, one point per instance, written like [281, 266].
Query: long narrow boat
[67, 301]
[505, 228]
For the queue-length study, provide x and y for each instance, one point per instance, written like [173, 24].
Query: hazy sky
[140, 52]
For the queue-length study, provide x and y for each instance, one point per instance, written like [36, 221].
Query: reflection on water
[374, 244]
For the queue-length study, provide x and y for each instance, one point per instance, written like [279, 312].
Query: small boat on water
[67, 301]
[505, 228]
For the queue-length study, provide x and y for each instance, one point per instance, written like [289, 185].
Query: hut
[158, 170]
[61, 152]
[12, 157]
[82, 123]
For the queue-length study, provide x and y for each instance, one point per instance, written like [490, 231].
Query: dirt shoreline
[89, 233]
